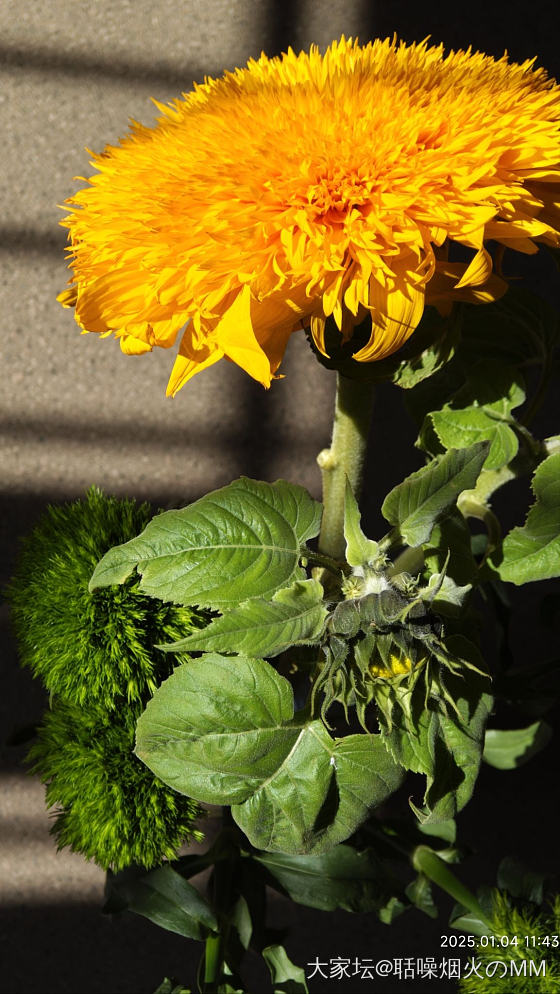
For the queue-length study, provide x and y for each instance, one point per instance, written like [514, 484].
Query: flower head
[307, 186]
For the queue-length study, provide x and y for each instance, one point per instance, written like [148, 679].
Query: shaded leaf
[295, 616]
[506, 750]
[167, 899]
[236, 543]
[420, 893]
[519, 881]
[468, 921]
[320, 796]
[450, 543]
[533, 552]
[341, 878]
[426, 496]
[168, 986]
[287, 978]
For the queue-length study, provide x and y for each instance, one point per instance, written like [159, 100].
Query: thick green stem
[212, 961]
[344, 458]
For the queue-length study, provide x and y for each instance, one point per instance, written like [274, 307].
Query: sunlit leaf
[236, 543]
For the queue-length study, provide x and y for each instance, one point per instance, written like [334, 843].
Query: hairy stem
[345, 458]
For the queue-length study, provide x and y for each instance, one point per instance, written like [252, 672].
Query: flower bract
[312, 186]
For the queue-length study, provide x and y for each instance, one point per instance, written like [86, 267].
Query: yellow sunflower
[313, 185]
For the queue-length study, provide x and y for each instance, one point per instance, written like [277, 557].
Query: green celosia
[95, 653]
[517, 921]
[90, 648]
[111, 808]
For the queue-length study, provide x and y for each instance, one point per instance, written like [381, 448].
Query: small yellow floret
[397, 666]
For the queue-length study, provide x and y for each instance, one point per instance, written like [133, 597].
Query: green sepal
[359, 550]
[240, 542]
[439, 731]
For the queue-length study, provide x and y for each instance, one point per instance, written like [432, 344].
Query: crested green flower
[110, 806]
[518, 923]
[91, 648]
[95, 653]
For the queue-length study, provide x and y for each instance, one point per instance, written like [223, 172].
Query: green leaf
[166, 899]
[321, 794]
[217, 728]
[520, 326]
[428, 495]
[438, 337]
[533, 552]
[287, 978]
[468, 921]
[446, 830]
[295, 616]
[427, 350]
[221, 730]
[506, 750]
[519, 881]
[341, 878]
[168, 986]
[420, 893]
[359, 550]
[240, 542]
[445, 596]
[481, 411]
[450, 543]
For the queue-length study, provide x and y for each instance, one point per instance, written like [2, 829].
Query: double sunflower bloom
[311, 186]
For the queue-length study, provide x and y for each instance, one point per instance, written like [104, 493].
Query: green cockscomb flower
[91, 648]
[111, 807]
[522, 965]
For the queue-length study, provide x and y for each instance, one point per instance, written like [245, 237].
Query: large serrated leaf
[217, 728]
[481, 411]
[236, 543]
[322, 793]
[533, 551]
[221, 730]
[295, 616]
[428, 495]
